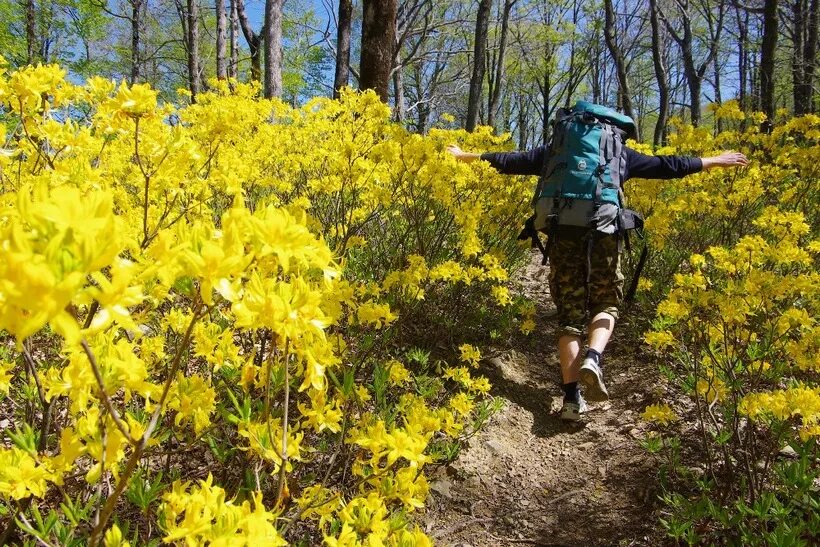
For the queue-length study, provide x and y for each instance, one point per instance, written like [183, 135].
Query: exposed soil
[528, 477]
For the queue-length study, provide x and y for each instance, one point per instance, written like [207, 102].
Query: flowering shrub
[739, 321]
[208, 313]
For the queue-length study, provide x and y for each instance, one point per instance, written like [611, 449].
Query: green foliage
[788, 515]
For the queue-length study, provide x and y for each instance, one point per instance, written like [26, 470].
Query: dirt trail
[528, 477]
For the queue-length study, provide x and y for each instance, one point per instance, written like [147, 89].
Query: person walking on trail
[587, 228]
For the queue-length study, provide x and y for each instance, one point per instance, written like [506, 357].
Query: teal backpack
[586, 157]
[584, 168]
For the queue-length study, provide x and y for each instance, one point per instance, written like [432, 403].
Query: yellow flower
[376, 314]
[21, 475]
[711, 389]
[399, 375]
[321, 415]
[661, 414]
[527, 326]
[462, 404]
[6, 369]
[470, 354]
[113, 538]
[502, 295]
[480, 385]
[136, 101]
[204, 515]
[659, 340]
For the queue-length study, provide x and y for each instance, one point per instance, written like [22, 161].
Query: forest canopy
[505, 63]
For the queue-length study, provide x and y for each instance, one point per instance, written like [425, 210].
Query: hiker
[587, 228]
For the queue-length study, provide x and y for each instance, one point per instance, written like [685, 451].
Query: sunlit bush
[212, 314]
[735, 277]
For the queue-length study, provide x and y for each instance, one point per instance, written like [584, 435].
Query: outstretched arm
[529, 162]
[670, 167]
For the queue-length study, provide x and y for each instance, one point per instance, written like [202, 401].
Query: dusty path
[529, 478]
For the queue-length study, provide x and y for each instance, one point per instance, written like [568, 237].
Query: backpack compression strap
[529, 232]
[609, 155]
[633, 287]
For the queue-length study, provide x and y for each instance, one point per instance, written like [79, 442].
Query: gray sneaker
[571, 412]
[592, 378]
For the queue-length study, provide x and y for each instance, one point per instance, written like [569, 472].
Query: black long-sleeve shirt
[639, 165]
[530, 162]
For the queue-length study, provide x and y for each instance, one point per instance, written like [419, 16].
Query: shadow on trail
[528, 477]
[536, 399]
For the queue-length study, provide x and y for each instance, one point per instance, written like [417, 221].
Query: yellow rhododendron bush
[207, 313]
[738, 328]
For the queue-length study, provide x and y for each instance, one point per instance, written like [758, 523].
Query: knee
[570, 331]
[604, 313]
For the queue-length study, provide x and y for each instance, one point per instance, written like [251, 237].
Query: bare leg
[600, 329]
[590, 375]
[569, 348]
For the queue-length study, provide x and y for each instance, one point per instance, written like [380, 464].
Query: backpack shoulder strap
[548, 153]
[609, 151]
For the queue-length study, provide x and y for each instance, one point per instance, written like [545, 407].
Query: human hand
[461, 155]
[726, 159]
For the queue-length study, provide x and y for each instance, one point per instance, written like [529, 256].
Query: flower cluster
[661, 414]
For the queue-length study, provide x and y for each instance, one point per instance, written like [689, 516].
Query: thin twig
[103, 443]
[330, 463]
[104, 396]
[31, 363]
[280, 488]
[131, 465]
[92, 311]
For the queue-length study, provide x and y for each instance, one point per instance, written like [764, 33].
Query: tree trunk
[742, 55]
[798, 36]
[694, 83]
[660, 74]
[754, 84]
[523, 121]
[576, 74]
[624, 93]
[499, 67]
[273, 48]
[422, 112]
[221, 32]
[694, 75]
[253, 39]
[479, 49]
[31, 32]
[810, 53]
[596, 84]
[399, 109]
[547, 109]
[767, 53]
[233, 66]
[136, 21]
[193, 48]
[718, 97]
[596, 70]
[378, 42]
[342, 76]
[804, 42]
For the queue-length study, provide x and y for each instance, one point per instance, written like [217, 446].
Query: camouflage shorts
[576, 302]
